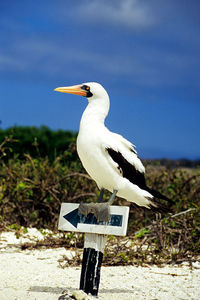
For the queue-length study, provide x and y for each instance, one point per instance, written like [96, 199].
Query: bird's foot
[100, 210]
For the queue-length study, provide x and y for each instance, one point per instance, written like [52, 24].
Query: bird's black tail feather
[157, 194]
[158, 206]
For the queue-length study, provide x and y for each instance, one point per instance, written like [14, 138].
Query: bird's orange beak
[75, 89]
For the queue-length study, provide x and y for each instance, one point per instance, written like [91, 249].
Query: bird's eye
[85, 87]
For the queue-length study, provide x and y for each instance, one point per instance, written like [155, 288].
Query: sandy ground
[36, 274]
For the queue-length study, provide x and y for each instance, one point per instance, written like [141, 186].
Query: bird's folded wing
[127, 152]
[125, 142]
[126, 169]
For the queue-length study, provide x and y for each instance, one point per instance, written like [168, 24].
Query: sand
[36, 274]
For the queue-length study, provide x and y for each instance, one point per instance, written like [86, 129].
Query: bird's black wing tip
[158, 195]
[158, 207]
[154, 206]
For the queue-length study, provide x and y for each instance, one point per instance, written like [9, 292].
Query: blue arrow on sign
[74, 218]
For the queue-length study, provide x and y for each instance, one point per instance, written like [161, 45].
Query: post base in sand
[91, 265]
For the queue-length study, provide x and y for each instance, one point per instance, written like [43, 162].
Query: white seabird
[109, 159]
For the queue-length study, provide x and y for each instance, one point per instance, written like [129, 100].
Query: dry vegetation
[32, 189]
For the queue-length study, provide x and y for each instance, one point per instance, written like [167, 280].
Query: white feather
[93, 140]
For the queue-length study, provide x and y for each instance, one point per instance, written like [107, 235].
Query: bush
[37, 142]
[32, 189]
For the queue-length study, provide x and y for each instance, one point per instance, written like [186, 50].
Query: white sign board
[70, 220]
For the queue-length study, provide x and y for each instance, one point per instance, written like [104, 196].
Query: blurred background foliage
[37, 142]
[40, 169]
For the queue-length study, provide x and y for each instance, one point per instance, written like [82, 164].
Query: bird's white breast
[90, 148]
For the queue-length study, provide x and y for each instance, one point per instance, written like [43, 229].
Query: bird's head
[91, 90]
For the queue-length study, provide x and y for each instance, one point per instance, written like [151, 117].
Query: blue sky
[145, 53]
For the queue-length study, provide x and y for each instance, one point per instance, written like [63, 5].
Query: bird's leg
[101, 195]
[112, 198]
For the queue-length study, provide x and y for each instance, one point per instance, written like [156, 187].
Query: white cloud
[134, 14]
[55, 60]
[8, 62]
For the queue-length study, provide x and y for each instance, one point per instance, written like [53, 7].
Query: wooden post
[91, 264]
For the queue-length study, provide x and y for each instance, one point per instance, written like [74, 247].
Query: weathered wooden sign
[70, 220]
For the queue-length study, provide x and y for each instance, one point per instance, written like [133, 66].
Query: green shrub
[32, 189]
[38, 142]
